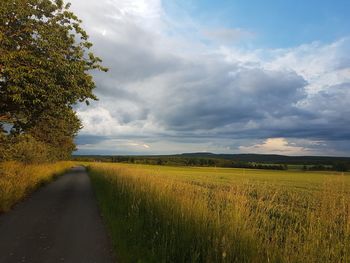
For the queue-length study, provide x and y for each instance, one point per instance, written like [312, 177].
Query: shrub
[24, 148]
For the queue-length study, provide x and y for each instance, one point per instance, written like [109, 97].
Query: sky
[218, 76]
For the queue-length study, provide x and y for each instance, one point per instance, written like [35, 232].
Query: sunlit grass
[17, 180]
[174, 214]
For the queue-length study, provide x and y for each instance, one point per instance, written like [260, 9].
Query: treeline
[260, 166]
[277, 159]
[181, 161]
[311, 163]
[44, 72]
[338, 166]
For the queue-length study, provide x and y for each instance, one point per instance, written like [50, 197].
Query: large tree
[44, 65]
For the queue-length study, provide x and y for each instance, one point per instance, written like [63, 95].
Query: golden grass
[17, 180]
[174, 214]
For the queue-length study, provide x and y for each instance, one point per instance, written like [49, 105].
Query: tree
[57, 129]
[44, 60]
[44, 69]
[341, 167]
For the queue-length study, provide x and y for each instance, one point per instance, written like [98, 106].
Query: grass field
[17, 180]
[174, 214]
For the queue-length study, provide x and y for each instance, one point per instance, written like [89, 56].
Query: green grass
[176, 214]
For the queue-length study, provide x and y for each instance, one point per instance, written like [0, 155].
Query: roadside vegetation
[179, 214]
[17, 180]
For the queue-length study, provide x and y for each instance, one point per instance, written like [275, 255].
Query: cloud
[227, 35]
[174, 93]
[143, 145]
[275, 146]
[114, 145]
[322, 65]
[228, 96]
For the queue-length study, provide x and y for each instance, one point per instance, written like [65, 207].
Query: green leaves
[45, 62]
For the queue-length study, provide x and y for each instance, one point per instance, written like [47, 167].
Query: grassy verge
[17, 180]
[167, 214]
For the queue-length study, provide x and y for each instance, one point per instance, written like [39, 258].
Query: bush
[24, 148]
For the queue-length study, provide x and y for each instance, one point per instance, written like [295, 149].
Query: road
[58, 223]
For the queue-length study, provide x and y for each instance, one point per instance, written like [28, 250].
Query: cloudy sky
[218, 76]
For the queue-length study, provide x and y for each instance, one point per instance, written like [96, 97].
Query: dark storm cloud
[227, 97]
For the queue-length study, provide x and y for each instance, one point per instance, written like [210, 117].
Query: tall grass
[160, 214]
[18, 180]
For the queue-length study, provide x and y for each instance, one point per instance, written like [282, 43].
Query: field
[176, 214]
[17, 180]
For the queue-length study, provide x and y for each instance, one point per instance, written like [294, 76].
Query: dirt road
[58, 223]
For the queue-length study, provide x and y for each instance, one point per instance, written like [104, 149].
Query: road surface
[58, 223]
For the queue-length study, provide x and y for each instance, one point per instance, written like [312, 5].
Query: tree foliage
[44, 70]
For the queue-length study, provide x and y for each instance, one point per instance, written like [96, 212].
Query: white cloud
[143, 145]
[275, 146]
[322, 65]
